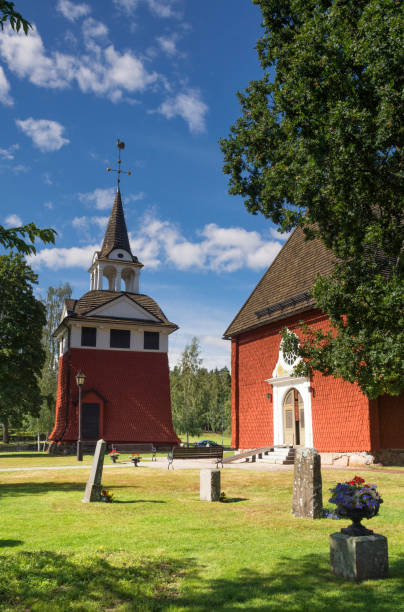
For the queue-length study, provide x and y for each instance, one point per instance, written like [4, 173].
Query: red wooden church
[270, 406]
[118, 337]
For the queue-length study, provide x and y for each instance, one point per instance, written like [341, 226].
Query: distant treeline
[200, 398]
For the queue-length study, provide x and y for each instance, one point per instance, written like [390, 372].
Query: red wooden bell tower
[118, 337]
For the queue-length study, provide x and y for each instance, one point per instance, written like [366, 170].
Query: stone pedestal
[93, 487]
[210, 485]
[359, 557]
[307, 501]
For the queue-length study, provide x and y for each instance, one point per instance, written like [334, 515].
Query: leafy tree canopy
[16, 237]
[16, 20]
[320, 144]
[22, 318]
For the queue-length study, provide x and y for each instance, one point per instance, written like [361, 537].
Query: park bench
[201, 452]
[136, 448]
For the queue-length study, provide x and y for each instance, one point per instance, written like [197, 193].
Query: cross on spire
[120, 145]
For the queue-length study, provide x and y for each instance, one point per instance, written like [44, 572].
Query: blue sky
[161, 75]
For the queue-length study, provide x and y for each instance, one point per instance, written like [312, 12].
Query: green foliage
[14, 237]
[22, 318]
[16, 20]
[53, 303]
[320, 145]
[198, 395]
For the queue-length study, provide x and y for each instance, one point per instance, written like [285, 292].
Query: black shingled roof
[116, 235]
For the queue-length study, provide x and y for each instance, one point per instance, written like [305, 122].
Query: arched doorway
[293, 419]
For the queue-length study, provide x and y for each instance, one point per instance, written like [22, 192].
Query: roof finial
[120, 145]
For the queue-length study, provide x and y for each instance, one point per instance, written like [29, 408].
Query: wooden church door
[90, 424]
[293, 419]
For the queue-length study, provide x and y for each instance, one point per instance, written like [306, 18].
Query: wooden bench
[201, 452]
[136, 448]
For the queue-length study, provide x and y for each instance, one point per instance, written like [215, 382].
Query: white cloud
[168, 44]
[72, 11]
[160, 8]
[94, 29]
[9, 153]
[75, 257]
[82, 223]
[189, 106]
[100, 221]
[5, 97]
[219, 249]
[103, 199]
[129, 6]
[20, 168]
[48, 205]
[46, 135]
[13, 221]
[101, 70]
[278, 235]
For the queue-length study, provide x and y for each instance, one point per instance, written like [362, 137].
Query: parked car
[206, 443]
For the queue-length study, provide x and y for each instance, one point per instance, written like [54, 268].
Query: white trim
[282, 381]
[280, 387]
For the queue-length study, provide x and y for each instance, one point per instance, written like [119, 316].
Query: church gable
[123, 308]
[285, 289]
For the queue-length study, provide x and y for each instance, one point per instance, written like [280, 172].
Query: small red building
[118, 338]
[270, 406]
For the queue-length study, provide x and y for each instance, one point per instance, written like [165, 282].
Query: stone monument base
[359, 557]
[210, 485]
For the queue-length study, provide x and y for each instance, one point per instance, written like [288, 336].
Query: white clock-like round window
[289, 357]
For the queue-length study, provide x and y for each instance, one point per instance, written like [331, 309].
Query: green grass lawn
[160, 548]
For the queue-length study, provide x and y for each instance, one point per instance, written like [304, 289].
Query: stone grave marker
[307, 499]
[210, 485]
[92, 492]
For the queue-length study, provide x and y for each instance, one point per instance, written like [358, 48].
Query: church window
[151, 341]
[88, 336]
[120, 338]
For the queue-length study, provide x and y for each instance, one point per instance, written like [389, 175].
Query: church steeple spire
[115, 261]
[116, 234]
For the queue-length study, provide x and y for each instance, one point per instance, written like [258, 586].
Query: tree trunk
[6, 437]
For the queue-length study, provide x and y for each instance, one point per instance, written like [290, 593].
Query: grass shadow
[298, 584]
[139, 501]
[56, 582]
[22, 454]
[4, 543]
[39, 488]
[234, 500]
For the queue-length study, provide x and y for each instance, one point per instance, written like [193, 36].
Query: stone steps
[281, 455]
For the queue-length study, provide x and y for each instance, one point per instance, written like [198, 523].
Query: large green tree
[22, 355]
[319, 144]
[53, 302]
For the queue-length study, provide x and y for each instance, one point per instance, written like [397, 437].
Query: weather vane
[120, 145]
